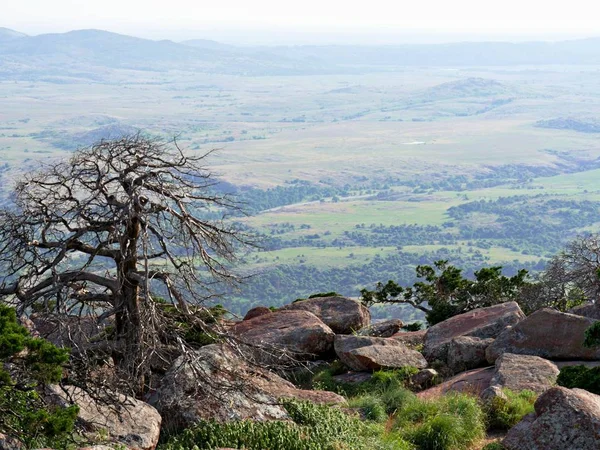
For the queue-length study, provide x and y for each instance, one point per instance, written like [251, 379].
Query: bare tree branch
[101, 236]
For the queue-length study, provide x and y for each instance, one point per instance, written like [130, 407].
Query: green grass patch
[505, 413]
[312, 427]
[452, 422]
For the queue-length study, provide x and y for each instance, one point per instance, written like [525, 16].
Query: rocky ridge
[481, 352]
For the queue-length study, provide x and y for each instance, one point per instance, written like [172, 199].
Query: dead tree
[99, 235]
[577, 267]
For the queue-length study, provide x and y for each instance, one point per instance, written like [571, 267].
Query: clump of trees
[445, 292]
[571, 278]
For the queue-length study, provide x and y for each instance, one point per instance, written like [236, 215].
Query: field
[405, 166]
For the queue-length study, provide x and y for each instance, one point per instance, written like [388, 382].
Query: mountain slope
[81, 53]
[6, 34]
[583, 51]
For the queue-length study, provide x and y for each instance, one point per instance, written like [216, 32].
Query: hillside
[76, 53]
[565, 123]
[7, 34]
[72, 52]
[351, 173]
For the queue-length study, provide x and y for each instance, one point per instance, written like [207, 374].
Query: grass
[312, 427]
[495, 254]
[505, 413]
[573, 183]
[345, 215]
[322, 257]
[453, 422]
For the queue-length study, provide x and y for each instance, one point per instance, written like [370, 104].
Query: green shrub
[34, 362]
[323, 380]
[494, 446]
[580, 377]
[452, 422]
[438, 433]
[504, 413]
[324, 294]
[370, 406]
[415, 326]
[592, 335]
[395, 398]
[395, 377]
[383, 382]
[416, 411]
[313, 427]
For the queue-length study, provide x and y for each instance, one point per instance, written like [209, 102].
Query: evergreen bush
[580, 377]
[27, 364]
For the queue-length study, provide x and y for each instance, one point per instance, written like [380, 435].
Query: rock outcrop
[68, 331]
[298, 332]
[548, 334]
[363, 353]
[387, 328]
[424, 378]
[411, 339]
[257, 312]
[9, 443]
[220, 385]
[520, 372]
[343, 315]
[134, 424]
[481, 323]
[466, 353]
[473, 382]
[353, 377]
[564, 419]
[589, 310]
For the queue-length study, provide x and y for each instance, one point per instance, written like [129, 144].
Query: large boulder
[473, 382]
[127, 421]
[386, 328]
[343, 315]
[10, 443]
[563, 419]
[548, 334]
[466, 353]
[588, 364]
[353, 377]
[589, 310]
[300, 333]
[424, 378]
[256, 312]
[480, 323]
[376, 357]
[520, 372]
[363, 353]
[67, 331]
[411, 339]
[217, 383]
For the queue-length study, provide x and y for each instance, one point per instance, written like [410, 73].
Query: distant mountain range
[80, 54]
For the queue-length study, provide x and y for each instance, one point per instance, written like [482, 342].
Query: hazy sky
[196, 18]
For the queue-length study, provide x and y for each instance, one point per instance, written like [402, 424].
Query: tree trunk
[128, 320]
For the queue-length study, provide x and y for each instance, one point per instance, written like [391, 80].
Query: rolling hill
[81, 53]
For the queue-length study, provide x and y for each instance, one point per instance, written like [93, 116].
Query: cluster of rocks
[481, 351]
[498, 347]
[325, 328]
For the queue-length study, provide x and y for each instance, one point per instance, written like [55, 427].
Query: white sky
[170, 18]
